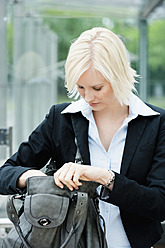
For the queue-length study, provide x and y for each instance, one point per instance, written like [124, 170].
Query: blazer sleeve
[147, 199]
[33, 154]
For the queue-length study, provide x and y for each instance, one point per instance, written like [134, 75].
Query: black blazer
[139, 190]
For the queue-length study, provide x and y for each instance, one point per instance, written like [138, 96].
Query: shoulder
[157, 109]
[158, 120]
[56, 109]
[59, 107]
[161, 112]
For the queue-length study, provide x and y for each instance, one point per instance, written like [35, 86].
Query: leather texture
[57, 218]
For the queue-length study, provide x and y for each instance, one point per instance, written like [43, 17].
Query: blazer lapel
[80, 126]
[135, 131]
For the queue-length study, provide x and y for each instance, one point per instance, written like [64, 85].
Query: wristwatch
[111, 179]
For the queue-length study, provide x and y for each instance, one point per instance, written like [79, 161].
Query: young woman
[120, 138]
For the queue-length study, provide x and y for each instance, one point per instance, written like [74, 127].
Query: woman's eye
[80, 87]
[97, 89]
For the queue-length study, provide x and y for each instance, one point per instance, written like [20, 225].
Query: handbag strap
[14, 217]
[80, 209]
[79, 213]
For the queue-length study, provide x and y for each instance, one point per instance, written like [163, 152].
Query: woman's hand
[70, 174]
[29, 173]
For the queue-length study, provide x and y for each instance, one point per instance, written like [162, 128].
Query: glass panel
[156, 63]
[37, 49]
[38, 39]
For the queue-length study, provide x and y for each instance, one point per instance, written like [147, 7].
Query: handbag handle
[81, 206]
[13, 216]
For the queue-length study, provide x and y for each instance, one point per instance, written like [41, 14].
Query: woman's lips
[93, 104]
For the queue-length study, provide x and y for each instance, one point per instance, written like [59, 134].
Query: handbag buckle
[44, 222]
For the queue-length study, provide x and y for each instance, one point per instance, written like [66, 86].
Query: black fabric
[139, 190]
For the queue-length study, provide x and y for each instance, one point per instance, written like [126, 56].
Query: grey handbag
[56, 218]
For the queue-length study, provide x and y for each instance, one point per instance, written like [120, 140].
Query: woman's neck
[114, 111]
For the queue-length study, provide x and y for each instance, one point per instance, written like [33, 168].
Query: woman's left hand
[70, 174]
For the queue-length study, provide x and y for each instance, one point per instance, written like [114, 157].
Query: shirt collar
[136, 107]
[77, 106]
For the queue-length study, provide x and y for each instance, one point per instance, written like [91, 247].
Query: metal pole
[18, 50]
[3, 69]
[54, 57]
[143, 60]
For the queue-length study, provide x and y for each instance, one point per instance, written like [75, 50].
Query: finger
[61, 171]
[73, 175]
[69, 179]
[76, 178]
[66, 174]
[57, 175]
[57, 181]
[77, 175]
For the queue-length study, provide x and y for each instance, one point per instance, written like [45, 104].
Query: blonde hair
[102, 50]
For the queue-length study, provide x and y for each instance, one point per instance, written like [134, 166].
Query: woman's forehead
[92, 76]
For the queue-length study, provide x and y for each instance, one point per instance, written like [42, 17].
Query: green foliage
[128, 30]
[69, 29]
[156, 37]
[10, 42]
[160, 102]
[68, 13]
[156, 52]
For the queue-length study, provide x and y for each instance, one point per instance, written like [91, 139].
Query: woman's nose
[89, 96]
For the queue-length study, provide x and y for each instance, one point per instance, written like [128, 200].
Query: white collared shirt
[111, 159]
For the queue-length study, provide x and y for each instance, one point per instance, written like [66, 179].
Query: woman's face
[96, 90]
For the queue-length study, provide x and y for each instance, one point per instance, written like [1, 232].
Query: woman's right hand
[71, 173]
[29, 173]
